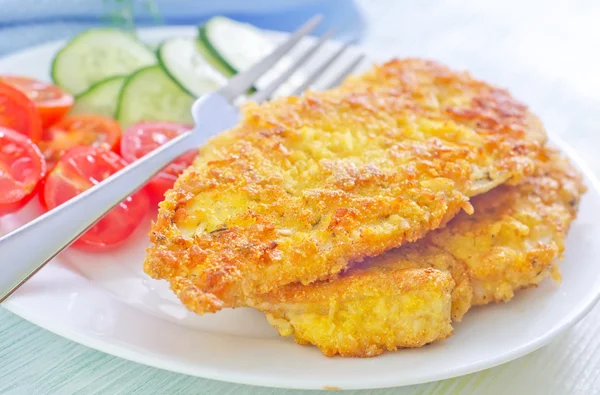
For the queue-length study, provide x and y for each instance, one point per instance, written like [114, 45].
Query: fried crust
[367, 312]
[305, 187]
[517, 232]
[512, 241]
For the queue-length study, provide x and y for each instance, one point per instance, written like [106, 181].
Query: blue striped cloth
[28, 22]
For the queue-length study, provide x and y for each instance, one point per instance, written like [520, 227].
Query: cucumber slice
[97, 54]
[182, 60]
[101, 98]
[233, 47]
[150, 94]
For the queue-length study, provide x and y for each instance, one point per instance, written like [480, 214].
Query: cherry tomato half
[52, 102]
[144, 137]
[79, 130]
[80, 169]
[22, 167]
[18, 112]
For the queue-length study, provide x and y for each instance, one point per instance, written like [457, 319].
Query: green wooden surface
[36, 362]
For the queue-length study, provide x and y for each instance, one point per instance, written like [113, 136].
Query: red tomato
[18, 113]
[52, 102]
[80, 169]
[22, 167]
[77, 130]
[144, 137]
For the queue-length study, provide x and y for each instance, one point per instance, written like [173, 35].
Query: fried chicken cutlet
[400, 303]
[510, 242]
[305, 187]
[517, 232]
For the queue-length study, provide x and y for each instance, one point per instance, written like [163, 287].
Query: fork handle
[26, 250]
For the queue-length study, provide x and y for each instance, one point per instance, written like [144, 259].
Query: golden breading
[367, 312]
[512, 241]
[391, 301]
[305, 187]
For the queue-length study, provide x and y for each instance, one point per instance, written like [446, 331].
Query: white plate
[105, 301]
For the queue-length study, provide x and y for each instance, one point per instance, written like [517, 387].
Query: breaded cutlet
[306, 187]
[517, 233]
[369, 310]
[512, 241]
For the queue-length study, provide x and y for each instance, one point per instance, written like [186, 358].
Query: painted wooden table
[545, 52]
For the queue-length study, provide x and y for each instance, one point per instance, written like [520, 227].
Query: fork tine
[316, 74]
[266, 92]
[241, 82]
[340, 78]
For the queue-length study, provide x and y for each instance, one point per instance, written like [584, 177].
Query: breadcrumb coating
[512, 241]
[306, 187]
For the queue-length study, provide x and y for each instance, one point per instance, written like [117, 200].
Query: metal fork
[27, 249]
